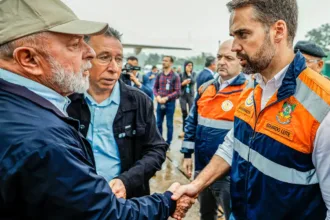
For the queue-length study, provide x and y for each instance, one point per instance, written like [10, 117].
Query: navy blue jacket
[203, 77]
[48, 171]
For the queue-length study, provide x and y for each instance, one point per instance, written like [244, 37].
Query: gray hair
[33, 40]
[269, 11]
[111, 32]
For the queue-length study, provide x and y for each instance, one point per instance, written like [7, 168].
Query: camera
[129, 68]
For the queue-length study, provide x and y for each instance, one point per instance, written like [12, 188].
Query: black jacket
[184, 76]
[142, 149]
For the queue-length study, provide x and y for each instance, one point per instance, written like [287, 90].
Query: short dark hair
[209, 61]
[171, 58]
[269, 11]
[111, 32]
[154, 67]
[132, 58]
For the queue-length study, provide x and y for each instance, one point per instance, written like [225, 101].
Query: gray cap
[19, 18]
[309, 48]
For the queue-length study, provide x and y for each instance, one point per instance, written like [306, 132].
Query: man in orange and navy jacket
[209, 121]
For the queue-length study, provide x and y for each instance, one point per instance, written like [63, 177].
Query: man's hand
[152, 76]
[164, 100]
[182, 207]
[187, 166]
[118, 188]
[183, 204]
[134, 79]
[189, 190]
[159, 100]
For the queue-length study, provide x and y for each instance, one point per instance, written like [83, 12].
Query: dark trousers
[185, 99]
[169, 112]
[210, 198]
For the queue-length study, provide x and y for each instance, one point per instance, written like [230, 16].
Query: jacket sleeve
[144, 88]
[154, 154]
[156, 86]
[58, 178]
[188, 144]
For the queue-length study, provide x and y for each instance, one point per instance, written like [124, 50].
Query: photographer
[132, 77]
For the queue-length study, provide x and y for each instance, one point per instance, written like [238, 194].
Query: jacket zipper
[251, 139]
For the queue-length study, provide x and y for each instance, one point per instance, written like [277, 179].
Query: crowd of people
[80, 138]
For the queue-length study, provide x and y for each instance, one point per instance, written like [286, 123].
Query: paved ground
[172, 168]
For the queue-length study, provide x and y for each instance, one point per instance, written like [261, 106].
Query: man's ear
[320, 64]
[279, 29]
[29, 60]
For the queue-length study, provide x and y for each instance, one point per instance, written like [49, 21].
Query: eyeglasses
[312, 61]
[105, 59]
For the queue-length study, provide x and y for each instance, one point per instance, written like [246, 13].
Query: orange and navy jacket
[272, 173]
[209, 120]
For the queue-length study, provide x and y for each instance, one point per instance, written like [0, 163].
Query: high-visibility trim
[313, 103]
[274, 170]
[188, 145]
[212, 123]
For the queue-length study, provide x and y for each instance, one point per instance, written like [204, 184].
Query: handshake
[185, 196]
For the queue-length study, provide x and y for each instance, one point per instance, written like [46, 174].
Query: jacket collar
[289, 84]
[240, 80]
[31, 96]
[127, 100]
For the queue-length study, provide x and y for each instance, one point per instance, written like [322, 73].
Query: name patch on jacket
[279, 130]
[245, 110]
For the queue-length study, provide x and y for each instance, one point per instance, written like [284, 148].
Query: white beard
[68, 81]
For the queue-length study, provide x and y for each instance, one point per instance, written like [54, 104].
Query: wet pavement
[172, 168]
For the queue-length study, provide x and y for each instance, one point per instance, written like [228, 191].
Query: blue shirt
[100, 134]
[151, 82]
[56, 99]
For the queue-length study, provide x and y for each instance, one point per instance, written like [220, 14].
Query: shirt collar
[56, 99]
[277, 79]
[209, 70]
[229, 81]
[113, 98]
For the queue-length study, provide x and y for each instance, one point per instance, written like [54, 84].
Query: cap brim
[81, 27]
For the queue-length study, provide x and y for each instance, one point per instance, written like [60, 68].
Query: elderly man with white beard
[47, 169]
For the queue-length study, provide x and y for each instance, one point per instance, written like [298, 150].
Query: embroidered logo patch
[284, 117]
[227, 105]
[249, 100]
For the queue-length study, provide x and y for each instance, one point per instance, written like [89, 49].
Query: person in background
[278, 150]
[118, 121]
[212, 116]
[188, 78]
[208, 72]
[174, 69]
[167, 90]
[312, 53]
[137, 79]
[47, 168]
[179, 70]
[152, 77]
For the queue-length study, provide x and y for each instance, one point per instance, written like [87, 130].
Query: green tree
[153, 59]
[320, 36]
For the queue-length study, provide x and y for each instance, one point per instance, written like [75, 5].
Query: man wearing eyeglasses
[118, 120]
[312, 53]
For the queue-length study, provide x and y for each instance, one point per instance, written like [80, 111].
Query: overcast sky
[191, 23]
